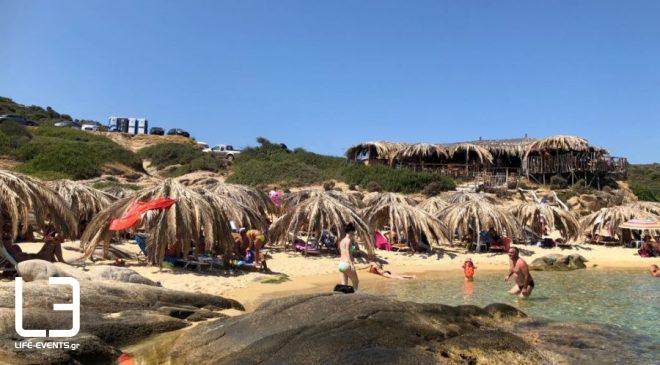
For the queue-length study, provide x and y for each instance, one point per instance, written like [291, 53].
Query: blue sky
[325, 75]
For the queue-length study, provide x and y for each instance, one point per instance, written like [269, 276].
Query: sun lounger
[305, 248]
[401, 247]
[194, 261]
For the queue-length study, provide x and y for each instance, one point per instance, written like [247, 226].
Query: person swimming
[524, 282]
[468, 269]
[346, 266]
[655, 272]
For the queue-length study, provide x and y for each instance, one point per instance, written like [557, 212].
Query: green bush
[558, 182]
[373, 187]
[437, 187]
[69, 153]
[202, 163]
[270, 163]
[645, 181]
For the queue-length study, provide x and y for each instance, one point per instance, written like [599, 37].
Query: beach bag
[346, 289]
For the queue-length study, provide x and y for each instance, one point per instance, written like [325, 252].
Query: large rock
[123, 274]
[556, 262]
[366, 329]
[355, 329]
[112, 314]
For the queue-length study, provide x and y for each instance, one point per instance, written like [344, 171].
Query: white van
[90, 127]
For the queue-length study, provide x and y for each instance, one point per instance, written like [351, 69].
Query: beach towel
[381, 242]
[134, 212]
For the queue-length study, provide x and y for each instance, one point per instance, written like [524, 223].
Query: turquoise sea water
[622, 298]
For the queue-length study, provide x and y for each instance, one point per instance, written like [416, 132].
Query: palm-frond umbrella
[473, 216]
[433, 204]
[320, 211]
[399, 213]
[610, 218]
[193, 218]
[85, 201]
[21, 195]
[533, 214]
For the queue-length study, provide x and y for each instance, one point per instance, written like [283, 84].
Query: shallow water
[623, 298]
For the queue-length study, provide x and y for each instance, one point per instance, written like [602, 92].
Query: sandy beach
[294, 273]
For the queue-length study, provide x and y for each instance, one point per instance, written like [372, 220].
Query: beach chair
[328, 241]
[195, 262]
[7, 261]
[305, 248]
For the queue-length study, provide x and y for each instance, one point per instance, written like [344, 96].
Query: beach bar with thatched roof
[497, 160]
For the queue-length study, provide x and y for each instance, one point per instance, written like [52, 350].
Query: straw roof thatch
[649, 207]
[235, 210]
[290, 200]
[433, 204]
[506, 147]
[319, 211]
[85, 201]
[248, 195]
[118, 192]
[610, 218]
[420, 151]
[398, 212]
[376, 150]
[470, 149]
[192, 218]
[530, 213]
[559, 143]
[464, 196]
[474, 216]
[21, 195]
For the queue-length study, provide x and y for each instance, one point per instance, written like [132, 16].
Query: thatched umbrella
[399, 213]
[21, 195]
[649, 207]
[84, 200]
[473, 216]
[464, 196]
[433, 204]
[291, 200]
[375, 150]
[248, 195]
[118, 192]
[532, 214]
[237, 211]
[610, 218]
[192, 218]
[320, 211]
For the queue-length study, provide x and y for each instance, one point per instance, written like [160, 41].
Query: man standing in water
[346, 266]
[524, 282]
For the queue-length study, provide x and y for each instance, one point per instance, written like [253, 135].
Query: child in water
[468, 269]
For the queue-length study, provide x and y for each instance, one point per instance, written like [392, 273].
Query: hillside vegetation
[31, 112]
[644, 181]
[179, 159]
[270, 163]
[54, 153]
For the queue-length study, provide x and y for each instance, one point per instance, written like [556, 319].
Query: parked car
[202, 145]
[178, 132]
[18, 119]
[90, 127]
[113, 129]
[158, 131]
[227, 151]
[67, 123]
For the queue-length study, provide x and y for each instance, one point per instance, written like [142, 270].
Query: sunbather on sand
[50, 251]
[377, 269]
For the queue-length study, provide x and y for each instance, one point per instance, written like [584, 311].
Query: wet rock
[501, 310]
[556, 262]
[352, 329]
